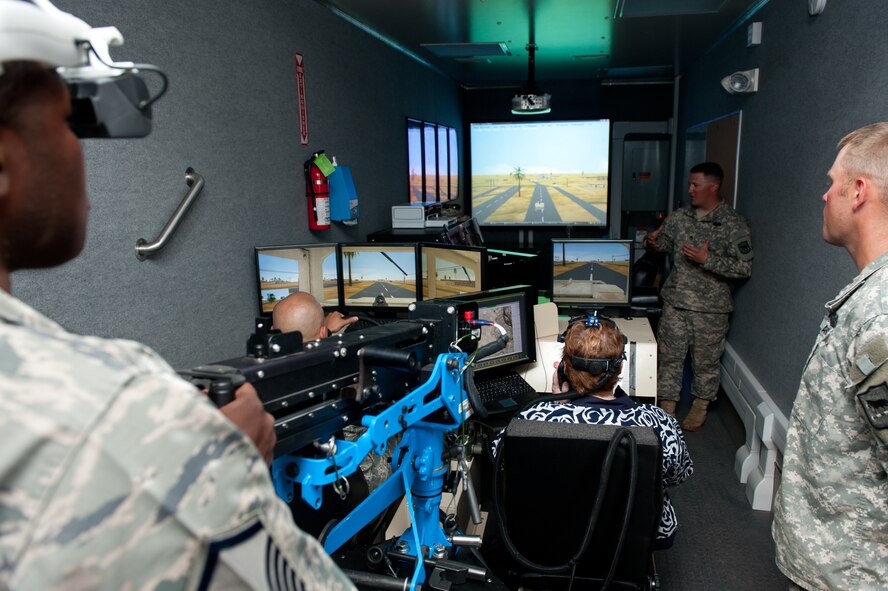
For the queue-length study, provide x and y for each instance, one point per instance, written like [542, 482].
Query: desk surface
[407, 235]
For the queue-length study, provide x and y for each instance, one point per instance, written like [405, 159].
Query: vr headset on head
[109, 99]
[118, 107]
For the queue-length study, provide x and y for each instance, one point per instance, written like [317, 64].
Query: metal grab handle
[145, 249]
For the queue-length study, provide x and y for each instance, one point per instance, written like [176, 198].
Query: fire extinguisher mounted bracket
[317, 190]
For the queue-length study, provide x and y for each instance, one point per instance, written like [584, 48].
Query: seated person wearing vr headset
[587, 376]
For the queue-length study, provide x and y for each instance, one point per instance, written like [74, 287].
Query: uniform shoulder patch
[871, 356]
[743, 244]
[875, 408]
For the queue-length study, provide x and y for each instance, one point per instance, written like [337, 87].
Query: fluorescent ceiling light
[456, 50]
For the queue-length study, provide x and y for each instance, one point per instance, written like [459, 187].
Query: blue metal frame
[421, 472]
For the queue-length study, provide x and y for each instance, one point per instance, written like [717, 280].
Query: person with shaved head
[301, 311]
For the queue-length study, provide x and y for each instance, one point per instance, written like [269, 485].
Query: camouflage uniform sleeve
[165, 492]
[869, 373]
[666, 240]
[734, 260]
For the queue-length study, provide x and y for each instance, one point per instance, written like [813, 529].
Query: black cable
[622, 433]
[142, 67]
[492, 347]
[165, 83]
[383, 519]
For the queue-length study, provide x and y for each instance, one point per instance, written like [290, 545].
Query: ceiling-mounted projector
[742, 82]
[530, 101]
[531, 104]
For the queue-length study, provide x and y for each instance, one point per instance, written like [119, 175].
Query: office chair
[578, 505]
[648, 274]
[645, 272]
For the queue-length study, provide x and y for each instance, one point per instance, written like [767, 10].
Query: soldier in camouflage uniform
[831, 512]
[114, 472]
[711, 250]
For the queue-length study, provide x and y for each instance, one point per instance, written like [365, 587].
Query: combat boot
[697, 416]
[668, 406]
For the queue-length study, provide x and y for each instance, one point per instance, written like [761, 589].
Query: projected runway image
[546, 199]
[552, 173]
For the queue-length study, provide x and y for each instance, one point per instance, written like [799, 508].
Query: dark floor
[722, 543]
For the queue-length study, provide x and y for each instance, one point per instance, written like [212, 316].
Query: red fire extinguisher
[317, 193]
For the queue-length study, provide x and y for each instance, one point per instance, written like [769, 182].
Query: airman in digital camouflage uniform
[831, 512]
[114, 473]
[711, 248]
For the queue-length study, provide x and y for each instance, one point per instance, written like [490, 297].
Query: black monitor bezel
[373, 309]
[574, 304]
[527, 298]
[482, 267]
[257, 250]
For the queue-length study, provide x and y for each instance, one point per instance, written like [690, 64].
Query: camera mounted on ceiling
[744, 82]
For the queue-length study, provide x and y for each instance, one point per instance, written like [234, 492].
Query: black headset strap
[601, 381]
[586, 363]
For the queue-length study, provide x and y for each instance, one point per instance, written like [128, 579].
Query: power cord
[622, 433]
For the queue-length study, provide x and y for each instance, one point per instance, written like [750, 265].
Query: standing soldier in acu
[711, 249]
[830, 514]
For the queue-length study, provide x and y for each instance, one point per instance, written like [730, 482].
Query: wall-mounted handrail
[145, 249]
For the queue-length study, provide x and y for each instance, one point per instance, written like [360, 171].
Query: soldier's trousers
[701, 333]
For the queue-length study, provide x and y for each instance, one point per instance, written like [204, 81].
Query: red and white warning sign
[300, 85]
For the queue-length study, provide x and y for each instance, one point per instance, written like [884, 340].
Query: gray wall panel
[820, 78]
[231, 113]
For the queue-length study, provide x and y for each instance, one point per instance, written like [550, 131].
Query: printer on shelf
[421, 215]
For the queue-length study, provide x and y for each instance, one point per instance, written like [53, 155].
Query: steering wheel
[362, 318]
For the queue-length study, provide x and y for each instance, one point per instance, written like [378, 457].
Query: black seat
[645, 274]
[550, 475]
[648, 274]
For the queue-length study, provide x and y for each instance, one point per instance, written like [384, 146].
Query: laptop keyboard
[508, 385]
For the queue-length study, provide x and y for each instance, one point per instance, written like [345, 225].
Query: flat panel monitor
[443, 171]
[466, 233]
[414, 161]
[592, 273]
[432, 162]
[540, 173]
[282, 270]
[452, 163]
[511, 308]
[449, 270]
[505, 267]
[378, 276]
